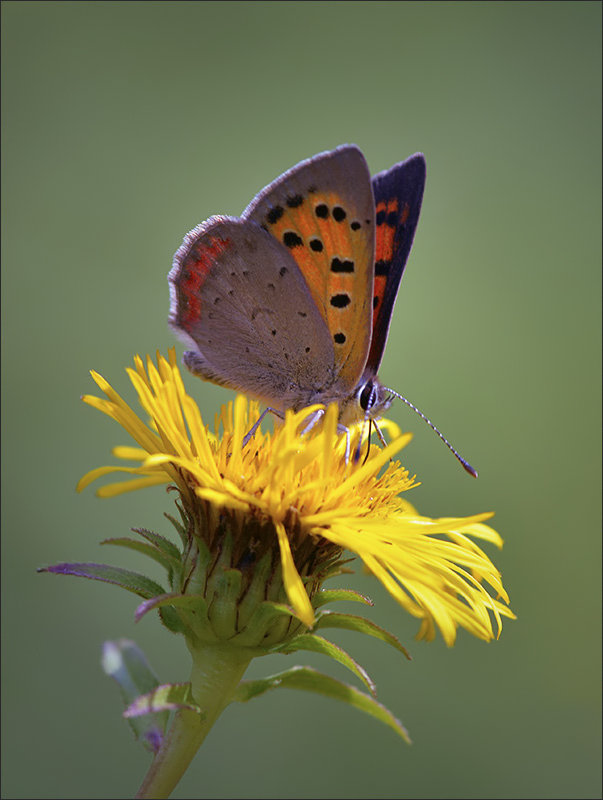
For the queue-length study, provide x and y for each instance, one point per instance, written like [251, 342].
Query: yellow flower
[304, 496]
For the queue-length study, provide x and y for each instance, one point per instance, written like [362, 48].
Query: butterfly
[291, 303]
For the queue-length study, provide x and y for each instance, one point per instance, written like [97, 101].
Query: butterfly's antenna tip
[468, 468]
[465, 464]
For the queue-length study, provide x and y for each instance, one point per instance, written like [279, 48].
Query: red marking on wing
[385, 232]
[385, 248]
[195, 269]
[384, 243]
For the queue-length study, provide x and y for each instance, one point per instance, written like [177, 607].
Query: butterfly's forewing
[398, 194]
[322, 211]
[239, 299]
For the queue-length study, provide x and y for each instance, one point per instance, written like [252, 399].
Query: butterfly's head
[373, 398]
[369, 400]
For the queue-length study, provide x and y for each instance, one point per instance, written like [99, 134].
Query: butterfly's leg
[258, 422]
[342, 429]
[380, 434]
[314, 417]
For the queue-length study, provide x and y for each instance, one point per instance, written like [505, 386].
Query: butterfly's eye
[365, 396]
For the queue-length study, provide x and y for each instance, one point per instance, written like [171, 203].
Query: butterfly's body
[291, 303]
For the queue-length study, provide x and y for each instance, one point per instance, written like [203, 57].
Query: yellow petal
[298, 597]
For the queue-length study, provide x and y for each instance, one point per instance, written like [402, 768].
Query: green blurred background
[124, 125]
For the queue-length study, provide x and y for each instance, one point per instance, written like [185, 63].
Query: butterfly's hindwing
[227, 283]
[322, 211]
[398, 195]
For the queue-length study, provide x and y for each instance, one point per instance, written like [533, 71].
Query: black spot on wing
[291, 239]
[337, 265]
[275, 214]
[295, 201]
[340, 300]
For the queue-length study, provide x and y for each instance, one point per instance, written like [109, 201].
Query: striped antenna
[466, 465]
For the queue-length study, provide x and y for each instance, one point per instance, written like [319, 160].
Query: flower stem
[216, 672]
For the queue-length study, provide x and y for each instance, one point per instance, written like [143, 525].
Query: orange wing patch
[388, 219]
[333, 250]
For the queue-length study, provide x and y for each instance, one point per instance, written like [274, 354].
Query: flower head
[294, 493]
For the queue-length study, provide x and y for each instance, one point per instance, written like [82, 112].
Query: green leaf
[311, 680]
[280, 608]
[131, 581]
[144, 548]
[336, 568]
[169, 617]
[163, 699]
[257, 589]
[172, 599]
[267, 625]
[222, 611]
[352, 622]
[332, 595]
[184, 520]
[125, 662]
[180, 528]
[168, 548]
[316, 644]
